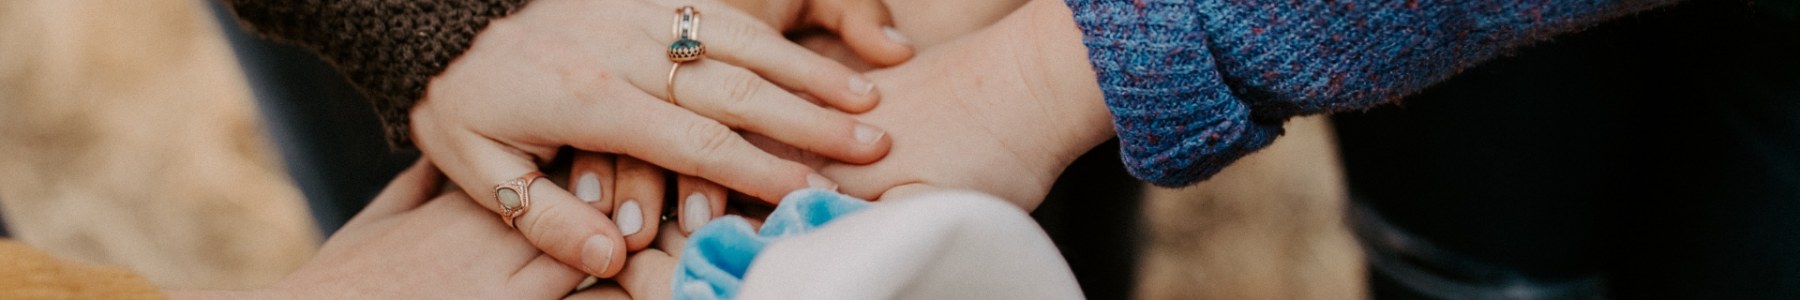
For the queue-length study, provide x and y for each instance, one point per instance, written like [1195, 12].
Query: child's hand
[865, 25]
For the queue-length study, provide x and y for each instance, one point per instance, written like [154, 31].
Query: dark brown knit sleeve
[388, 48]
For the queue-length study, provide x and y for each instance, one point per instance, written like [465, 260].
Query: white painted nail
[596, 253]
[866, 134]
[894, 35]
[630, 217]
[816, 181]
[696, 213]
[588, 187]
[860, 86]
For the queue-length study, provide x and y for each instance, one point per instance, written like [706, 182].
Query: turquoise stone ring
[687, 46]
[686, 50]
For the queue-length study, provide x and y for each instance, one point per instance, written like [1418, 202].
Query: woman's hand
[594, 75]
[1002, 110]
[864, 25]
[648, 274]
[403, 246]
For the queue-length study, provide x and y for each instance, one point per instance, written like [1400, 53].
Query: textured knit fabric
[27, 273]
[1196, 84]
[716, 257]
[389, 49]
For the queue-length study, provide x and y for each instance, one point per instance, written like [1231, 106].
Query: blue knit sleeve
[1196, 84]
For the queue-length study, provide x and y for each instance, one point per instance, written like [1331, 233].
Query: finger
[640, 193]
[555, 221]
[787, 152]
[601, 291]
[737, 39]
[680, 141]
[738, 98]
[647, 275]
[867, 27]
[670, 240]
[409, 189]
[701, 201]
[592, 177]
[544, 274]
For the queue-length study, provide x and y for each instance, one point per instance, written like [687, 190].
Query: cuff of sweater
[1177, 119]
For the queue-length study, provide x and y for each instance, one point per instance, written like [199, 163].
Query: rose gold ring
[514, 197]
[687, 46]
[672, 84]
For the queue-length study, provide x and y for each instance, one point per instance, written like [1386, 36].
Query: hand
[403, 246]
[593, 75]
[864, 25]
[1002, 111]
[648, 274]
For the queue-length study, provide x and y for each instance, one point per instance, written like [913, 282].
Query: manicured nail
[816, 181]
[588, 187]
[894, 35]
[698, 211]
[630, 217]
[861, 86]
[597, 253]
[867, 135]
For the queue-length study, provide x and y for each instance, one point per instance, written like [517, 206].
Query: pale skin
[592, 75]
[1001, 110]
[419, 241]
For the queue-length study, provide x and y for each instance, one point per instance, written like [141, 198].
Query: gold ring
[514, 197]
[687, 46]
[672, 84]
[686, 31]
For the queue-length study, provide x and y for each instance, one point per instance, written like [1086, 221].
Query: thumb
[866, 27]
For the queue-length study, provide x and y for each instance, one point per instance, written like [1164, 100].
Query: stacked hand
[1001, 110]
[593, 75]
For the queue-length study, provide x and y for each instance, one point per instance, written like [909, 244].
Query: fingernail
[597, 253]
[588, 187]
[816, 181]
[867, 135]
[698, 212]
[630, 217]
[894, 35]
[861, 86]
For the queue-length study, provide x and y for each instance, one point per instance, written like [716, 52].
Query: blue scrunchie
[716, 257]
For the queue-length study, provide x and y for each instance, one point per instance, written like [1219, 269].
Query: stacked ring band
[687, 46]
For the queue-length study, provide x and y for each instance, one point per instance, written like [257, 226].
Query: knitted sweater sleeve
[388, 48]
[1196, 84]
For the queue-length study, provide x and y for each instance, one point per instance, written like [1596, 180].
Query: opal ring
[514, 197]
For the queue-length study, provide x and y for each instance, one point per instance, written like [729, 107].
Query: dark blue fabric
[1194, 84]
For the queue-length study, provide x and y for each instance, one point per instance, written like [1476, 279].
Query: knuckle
[544, 226]
[712, 141]
[742, 38]
[740, 87]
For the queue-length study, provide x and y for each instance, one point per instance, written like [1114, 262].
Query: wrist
[1058, 68]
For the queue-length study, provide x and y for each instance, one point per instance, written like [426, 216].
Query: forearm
[388, 49]
[1324, 57]
[1194, 85]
